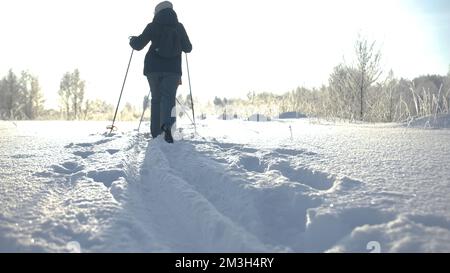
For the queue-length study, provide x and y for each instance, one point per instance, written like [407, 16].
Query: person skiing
[162, 65]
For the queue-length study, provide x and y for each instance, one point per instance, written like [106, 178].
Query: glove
[132, 41]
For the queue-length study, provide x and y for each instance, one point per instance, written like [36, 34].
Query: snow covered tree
[342, 92]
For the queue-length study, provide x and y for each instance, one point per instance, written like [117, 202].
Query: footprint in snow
[69, 167]
[90, 144]
[84, 145]
[252, 164]
[112, 151]
[84, 154]
[103, 141]
[107, 177]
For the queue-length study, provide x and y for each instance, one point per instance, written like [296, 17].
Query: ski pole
[121, 92]
[190, 91]
[143, 111]
[184, 111]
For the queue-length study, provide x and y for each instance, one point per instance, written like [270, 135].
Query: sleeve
[185, 42]
[141, 41]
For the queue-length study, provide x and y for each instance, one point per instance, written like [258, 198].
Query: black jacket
[153, 62]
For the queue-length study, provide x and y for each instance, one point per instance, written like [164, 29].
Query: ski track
[201, 195]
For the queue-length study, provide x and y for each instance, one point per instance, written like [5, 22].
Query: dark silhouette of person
[163, 73]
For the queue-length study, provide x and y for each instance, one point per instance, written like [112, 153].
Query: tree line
[356, 92]
[21, 98]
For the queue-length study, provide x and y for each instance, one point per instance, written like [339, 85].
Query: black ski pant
[163, 87]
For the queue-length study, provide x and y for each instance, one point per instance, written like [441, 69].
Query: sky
[238, 45]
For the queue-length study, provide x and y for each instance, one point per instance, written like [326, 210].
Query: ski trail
[181, 216]
[267, 206]
[283, 204]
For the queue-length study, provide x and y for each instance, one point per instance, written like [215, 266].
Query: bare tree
[31, 99]
[368, 69]
[77, 94]
[9, 95]
[65, 94]
[381, 100]
[71, 94]
[36, 99]
[20, 97]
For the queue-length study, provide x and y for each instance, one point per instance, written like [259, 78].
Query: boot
[167, 134]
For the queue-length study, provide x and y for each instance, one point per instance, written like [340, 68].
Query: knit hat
[163, 5]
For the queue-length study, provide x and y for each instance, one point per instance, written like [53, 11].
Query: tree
[342, 92]
[36, 99]
[9, 96]
[368, 68]
[31, 101]
[87, 109]
[77, 94]
[390, 85]
[129, 112]
[3, 90]
[65, 94]
[218, 102]
[20, 98]
[71, 93]
[98, 110]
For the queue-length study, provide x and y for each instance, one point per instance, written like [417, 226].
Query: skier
[162, 65]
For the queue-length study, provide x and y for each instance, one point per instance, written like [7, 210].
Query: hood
[166, 17]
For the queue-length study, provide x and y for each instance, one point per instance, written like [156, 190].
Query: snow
[236, 186]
